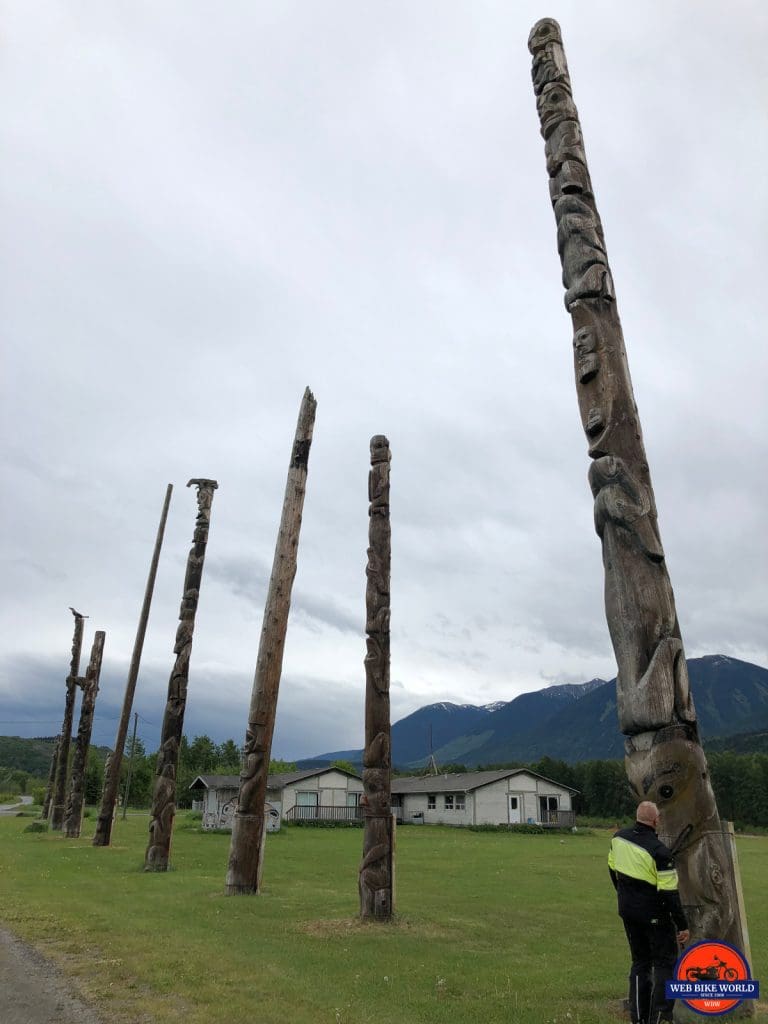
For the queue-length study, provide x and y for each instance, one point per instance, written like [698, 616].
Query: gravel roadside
[34, 990]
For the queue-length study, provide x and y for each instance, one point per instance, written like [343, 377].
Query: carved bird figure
[77, 614]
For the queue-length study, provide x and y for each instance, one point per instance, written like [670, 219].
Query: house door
[548, 810]
[515, 810]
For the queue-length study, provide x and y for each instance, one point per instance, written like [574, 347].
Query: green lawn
[491, 928]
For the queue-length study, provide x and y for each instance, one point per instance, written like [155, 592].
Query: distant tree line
[201, 756]
[740, 782]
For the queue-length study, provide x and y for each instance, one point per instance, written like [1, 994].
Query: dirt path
[34, 990]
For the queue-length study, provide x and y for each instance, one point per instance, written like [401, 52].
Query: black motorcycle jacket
[643, 873]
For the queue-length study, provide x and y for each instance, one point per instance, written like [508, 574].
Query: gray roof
[273, 781]
[463, 782]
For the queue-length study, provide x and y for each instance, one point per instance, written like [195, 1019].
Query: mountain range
[572, 722]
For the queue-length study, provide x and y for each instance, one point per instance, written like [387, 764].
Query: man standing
[643, 873]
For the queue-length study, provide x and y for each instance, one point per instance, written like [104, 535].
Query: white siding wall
[331, 788]
[416, 803]
[488, 805]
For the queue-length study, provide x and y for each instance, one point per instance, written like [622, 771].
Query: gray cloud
[200, 218]
[249, 578]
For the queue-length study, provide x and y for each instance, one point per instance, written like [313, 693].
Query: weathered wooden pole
[664, 758]
[73, 818]
[164, 796]
[58, 804]
[246, 851]
[130, 765]
[376, 869]
[105, 820]
[46, 809]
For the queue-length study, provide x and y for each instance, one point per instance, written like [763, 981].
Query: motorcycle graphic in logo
[712, 978]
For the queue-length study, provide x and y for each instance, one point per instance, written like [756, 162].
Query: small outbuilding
[512, 796]
[318, 794]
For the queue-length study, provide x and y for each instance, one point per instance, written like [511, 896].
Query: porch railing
[319, 812]
[557, 819]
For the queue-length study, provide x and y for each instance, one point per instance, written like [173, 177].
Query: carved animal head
[672, 773]
[543, 32]
[555, 104]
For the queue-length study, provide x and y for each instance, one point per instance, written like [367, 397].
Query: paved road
[10, 808]
[34, 991]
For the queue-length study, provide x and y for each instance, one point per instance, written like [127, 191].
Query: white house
[511, 796]
[318, 793]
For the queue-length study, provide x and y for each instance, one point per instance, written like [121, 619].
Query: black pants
[653, 945]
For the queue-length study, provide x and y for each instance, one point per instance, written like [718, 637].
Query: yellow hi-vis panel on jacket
[632, 860]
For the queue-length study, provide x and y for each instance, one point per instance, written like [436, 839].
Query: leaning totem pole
[376, 867]
[103, 834]
[46, 808]
[164, 797]
[74, 814]
[665, 762]
[58, 804]
[246, 851]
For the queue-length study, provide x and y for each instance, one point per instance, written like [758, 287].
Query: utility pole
[246, 851]
[164, 797]
[106, 817]
[130, 765]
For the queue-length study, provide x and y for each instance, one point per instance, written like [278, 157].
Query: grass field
[491, 927]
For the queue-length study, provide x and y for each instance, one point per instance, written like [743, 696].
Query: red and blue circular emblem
[712, 978]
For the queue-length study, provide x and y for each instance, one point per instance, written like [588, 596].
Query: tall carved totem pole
[376, 867]
[664, 759]
[246, 851]
[58, 803]
[164, 797]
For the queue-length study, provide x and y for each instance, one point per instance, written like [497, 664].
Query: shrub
[520, 830]
[319, 823]
[38, 795]
[37, 826]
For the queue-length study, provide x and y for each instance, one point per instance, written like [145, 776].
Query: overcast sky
[207, 208]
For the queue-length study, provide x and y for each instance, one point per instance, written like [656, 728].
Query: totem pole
[103, 833]
[74, 813]
[46, 809]
[665, 762]
[376, 867]
[246, 851]
[164, 797]
[58, 806]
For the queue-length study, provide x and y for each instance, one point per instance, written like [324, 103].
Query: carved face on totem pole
[376, 791]
[555, 104]
[542, 34]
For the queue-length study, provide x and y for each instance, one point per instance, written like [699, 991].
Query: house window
[306, 805]
[449, 801]
[460, 797]
[353, 799]
[431, 801]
